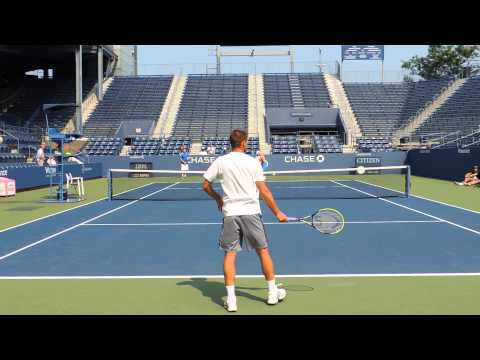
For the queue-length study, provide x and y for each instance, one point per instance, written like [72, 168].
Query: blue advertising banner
[276, 162]
[36, 176]
[444, 164]
[362, 52]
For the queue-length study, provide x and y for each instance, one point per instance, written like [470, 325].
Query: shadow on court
[215, 290]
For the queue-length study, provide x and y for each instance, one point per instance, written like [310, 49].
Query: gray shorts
[243, 231]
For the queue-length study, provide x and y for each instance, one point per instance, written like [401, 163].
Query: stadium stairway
[88, 106]
[340, 99]
[297, 98]
[260, 106]
[425, 113]
[256, 111]
[252, 106]
[171, 106]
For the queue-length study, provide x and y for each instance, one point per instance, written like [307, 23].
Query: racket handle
[293, 219]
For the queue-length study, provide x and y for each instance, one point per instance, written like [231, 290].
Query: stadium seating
[460, 112]
[278, 90]
[21, 140]
[222, 144]
[37, 92]
[144, 146]
[128, 98]
[327, 144]
[12, 158]
[212, 105]
[171, 145]
[154, 146]
[289, 144]
[374, 144]
[103, 146]
[381, 108]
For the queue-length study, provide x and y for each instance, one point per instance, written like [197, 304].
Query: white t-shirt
[40, 156]
[237, 173]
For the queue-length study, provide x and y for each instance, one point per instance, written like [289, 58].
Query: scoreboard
[140, 166]
[362, 52]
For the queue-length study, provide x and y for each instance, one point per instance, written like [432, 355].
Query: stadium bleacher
[290, 144]
[460, 112]
[103, 146]
[172, 145]
[327, 144]
[312, 89]
[222, 144]
[128, 98]
[374, 144]
[37, 92]
[212, 105]
[381, 108]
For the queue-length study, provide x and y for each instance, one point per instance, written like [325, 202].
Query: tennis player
[262, 159]
[184, 157]
[242, 180]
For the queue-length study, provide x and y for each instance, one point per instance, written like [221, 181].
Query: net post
[407, 182]
[109, 180]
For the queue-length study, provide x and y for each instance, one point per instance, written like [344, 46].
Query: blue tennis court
[389, 235]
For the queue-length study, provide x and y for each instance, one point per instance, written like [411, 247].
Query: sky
[168, 59]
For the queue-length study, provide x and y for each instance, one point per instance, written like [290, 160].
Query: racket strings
[328, 221]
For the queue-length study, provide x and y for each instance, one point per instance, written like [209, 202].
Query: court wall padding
[444, 164]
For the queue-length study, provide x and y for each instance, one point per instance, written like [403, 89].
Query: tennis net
[347, 183]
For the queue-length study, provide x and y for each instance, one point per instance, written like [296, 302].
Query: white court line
[122, 277]
[266, 223]
[80, 224]
[421, 197]
[64, 211]
[411, 209]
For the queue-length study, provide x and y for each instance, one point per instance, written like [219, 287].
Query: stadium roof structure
[28, 56]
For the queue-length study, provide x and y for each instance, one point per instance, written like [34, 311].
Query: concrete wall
[127, 60]
[36, 176]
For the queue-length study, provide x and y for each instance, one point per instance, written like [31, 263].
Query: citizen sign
[202, 159]
[304, 158]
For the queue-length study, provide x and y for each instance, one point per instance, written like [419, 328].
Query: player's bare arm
[208, 188]
[267, 196]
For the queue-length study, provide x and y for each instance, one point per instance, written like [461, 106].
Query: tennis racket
[327, 221]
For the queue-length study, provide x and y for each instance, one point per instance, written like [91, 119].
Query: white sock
[271, 285]
[230, 291]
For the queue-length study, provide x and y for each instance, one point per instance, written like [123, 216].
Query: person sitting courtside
[471, 178]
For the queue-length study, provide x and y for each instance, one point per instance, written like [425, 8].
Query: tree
[445, 61]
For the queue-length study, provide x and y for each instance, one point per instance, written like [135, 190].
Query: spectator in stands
[211, 150]
[41, 155]
[471, 178]
[203, 151]
[51, 161]
[184, 157]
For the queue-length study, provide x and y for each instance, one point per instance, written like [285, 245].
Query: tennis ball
[1, 139]
[361, 170]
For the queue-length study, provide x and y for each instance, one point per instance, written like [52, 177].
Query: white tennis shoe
[230, 305]
[275, 296]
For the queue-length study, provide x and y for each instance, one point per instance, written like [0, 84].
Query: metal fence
[332, 67]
